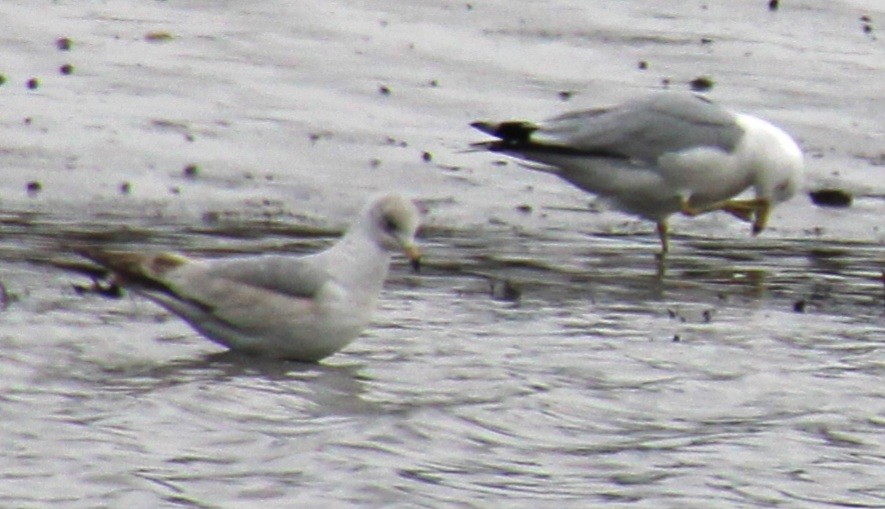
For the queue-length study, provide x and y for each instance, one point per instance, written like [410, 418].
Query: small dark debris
[721, 296]
[665, 82]
[111, 289]
[191, 171]
[175, 190]
[706, 40]
[504, 289]
[28, 120]
[211, 217]
[384, 90]
[831, 198]
[426, 157]
[33, 187]
[66, 69]
[676, 338]
[2, 79]
[565, 95]
[469, 7]
[701, 83]
[63, 44]
[773, 5]
[867, 28]
[708, 315]
[33, 83]
[189, 137]
[125, 188]
[866, 18]
[395, 143]
[374, 163]
[158, 36]
[434, 83]
[643, 65]
[524, 208]
[799, 306]
[671, 313]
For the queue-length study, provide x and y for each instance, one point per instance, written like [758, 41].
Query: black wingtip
[484, 126]
[511, 133]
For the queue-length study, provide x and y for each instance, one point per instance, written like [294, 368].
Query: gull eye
[390, 225]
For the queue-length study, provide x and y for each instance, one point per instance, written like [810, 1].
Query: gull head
[778, 160]
[393, 222]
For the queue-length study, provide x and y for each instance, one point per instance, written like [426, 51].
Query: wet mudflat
[543, 358]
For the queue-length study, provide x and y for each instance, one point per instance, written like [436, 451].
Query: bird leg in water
[662, 234]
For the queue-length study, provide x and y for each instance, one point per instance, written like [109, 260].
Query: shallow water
[543, 358]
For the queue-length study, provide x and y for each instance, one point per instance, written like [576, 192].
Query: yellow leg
[761, 217]
[756, 210]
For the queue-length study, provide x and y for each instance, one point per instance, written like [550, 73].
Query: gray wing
[287, 275]
[642, 129]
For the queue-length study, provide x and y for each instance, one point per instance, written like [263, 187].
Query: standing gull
[662, 154]
[300, 308]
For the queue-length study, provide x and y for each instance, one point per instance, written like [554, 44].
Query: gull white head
[777, 159]
[393, 223]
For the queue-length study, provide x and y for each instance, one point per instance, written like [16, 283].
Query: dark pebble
[643, 65]
[384, 90]
[63, 44]
[867, 28]
[525, 209]
[676, 338]
[125, 188]
[33, 187]
[190, 171]
[866, 18]
[799, 306]
[434, 83]
[2, 79]
[426, 157]
[504, 289]
[706, 40]
[773, 5]
[211, 217]
[33, 83]
[565, 95]
[66, 69]
[701, 83]
[831, 198]
[158, 36]
[665, 82]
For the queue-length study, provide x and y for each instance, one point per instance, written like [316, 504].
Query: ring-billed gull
[300, 308]
[662, 154]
